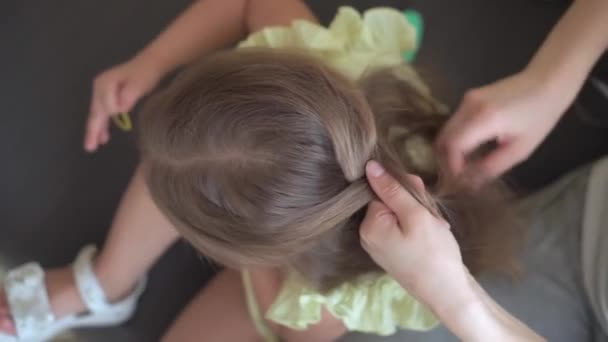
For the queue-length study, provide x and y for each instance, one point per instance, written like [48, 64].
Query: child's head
[258, 157]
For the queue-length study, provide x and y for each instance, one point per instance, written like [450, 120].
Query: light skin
[403, 237]
[206, 26]
[225, 293]
[117, 90]
[518, 112]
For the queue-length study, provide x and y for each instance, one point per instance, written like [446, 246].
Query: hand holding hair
[418, 249]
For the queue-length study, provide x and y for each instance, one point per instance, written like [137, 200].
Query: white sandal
[28, 300]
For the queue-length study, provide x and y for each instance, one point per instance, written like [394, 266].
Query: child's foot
[63, 297]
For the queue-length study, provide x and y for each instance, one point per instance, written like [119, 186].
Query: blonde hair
[258, 157]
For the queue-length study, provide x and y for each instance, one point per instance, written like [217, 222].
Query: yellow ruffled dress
[352, 44]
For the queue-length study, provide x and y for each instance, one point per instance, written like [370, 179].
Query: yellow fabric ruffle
[373, 303]
[351, 44]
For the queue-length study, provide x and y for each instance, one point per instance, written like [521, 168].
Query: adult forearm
[474, 316]
[565, 59]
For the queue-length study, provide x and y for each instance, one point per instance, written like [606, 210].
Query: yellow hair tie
[123, 121]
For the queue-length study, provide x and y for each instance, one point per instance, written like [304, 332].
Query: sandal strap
[28, 300]
[90, 290]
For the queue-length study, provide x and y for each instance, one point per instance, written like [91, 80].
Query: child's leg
[119, 265]
[219, 313]
[139, 223]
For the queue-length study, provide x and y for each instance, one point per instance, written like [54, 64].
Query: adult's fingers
[392, 194]
[377, 226]
[498, 161]
[448, 153]
[468, 130]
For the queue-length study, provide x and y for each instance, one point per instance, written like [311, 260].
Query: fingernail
[375, 169]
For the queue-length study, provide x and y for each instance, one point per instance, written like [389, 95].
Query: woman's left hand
[416, 247]
[419, 251]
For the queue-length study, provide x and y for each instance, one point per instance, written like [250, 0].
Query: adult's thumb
[389, 190]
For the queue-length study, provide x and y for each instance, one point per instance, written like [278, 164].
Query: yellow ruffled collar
[352, 43]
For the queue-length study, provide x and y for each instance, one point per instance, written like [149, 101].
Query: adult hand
[516, 113]
[416, 247]
[420, 252]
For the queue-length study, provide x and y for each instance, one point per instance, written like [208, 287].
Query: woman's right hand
[116, 91]
[517, 113]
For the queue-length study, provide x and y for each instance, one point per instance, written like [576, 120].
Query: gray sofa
[54, 198]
